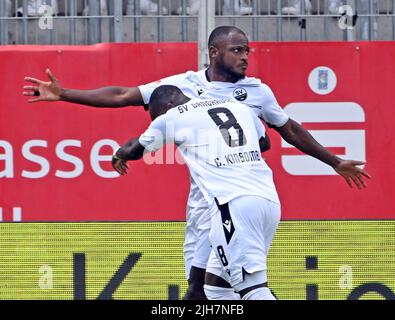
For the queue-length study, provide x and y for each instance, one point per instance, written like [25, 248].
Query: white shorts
[197, 244]
[241, 233]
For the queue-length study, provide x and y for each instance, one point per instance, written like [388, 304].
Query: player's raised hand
[350, 171]
[43, 91]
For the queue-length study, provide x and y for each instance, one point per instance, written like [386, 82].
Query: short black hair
[164, 94]
[222, 31]
[161, 96]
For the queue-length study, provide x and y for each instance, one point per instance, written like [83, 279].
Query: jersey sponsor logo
[228, 225]
[200, 91]
[352, 141]
[240, 94]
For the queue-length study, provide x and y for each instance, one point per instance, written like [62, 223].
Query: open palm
[45, 91]
[350, 171]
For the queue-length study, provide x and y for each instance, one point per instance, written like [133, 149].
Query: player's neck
[214, 74]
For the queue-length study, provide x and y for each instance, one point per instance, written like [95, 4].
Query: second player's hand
[44, 91]
[350, 171]
[120, 166]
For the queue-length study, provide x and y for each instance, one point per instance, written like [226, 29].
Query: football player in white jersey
[220, 141]
[225, 77]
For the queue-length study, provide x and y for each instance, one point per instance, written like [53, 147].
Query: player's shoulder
[237, 105]
[161, 120]
[265, 88]
[196, 76]
[250, 81]
[256, 82]
[195, 73]
[172, 114]
[175, 79]
[183, 79]
[190, 74]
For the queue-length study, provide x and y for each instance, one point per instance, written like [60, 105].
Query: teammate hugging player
[225, 78]
[241, 197]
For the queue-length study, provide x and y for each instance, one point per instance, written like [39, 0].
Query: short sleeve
[271, 111]
[147, 89]
[155, 136]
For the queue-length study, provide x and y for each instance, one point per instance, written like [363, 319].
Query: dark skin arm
[264, 143]
[131, 150]
[107, 97]
[295, 134]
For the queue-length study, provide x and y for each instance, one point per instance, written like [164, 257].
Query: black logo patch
[200, 91]
[227, 223]
[240, 94]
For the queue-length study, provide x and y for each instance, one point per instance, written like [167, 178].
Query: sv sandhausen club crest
[240, 94]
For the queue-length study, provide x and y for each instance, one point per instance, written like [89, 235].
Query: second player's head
[228, 49]
[164, 98]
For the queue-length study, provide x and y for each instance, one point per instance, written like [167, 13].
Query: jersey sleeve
[271, 111]
[147, 89]
[155, 136]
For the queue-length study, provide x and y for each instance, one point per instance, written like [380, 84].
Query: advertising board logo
[322, 80]
[96, 159]
[351, 140]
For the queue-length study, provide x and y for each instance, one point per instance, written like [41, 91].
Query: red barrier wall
[364, 87]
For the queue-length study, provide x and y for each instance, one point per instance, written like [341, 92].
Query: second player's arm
[131, 150]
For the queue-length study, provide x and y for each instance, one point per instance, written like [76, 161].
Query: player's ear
[152, 114]
[213, 52]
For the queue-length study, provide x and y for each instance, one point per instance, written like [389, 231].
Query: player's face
[233, 55]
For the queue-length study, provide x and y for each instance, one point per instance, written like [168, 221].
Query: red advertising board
[54, 157]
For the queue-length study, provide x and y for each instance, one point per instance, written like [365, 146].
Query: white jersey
[249, 91]
[219, 141]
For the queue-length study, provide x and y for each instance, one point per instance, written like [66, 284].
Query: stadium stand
[75, 22]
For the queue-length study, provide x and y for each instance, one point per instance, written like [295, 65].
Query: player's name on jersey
[238, 158]
[206, 104]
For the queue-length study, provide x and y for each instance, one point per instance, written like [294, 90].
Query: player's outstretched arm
[295, 134]
[131, 150]
[111, 97]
